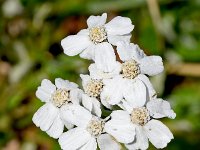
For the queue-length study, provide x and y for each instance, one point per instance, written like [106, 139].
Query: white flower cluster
[117, 82]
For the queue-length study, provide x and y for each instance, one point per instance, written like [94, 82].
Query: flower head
[88, 133]
[49, 116]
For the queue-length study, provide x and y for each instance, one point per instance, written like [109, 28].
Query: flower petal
[135, 94]
[119, 26]
[113, 39]
[90, 145]
[75, 44]
[120, 115]
[85, 80]
[68, 125]
[96, 73]
[105, 58]
[94, 21]
[65, 84]
[141, 140]
[45, 116]
[151, 93]
[87, 102]
[151, 65]
[74, 139]
[88, 53]
[56, 128]
[75, 96]
[76, 115]
[115, 85]
[106, 142]
[121, 130]
[128, 51]
[159, 134]
[45, 91]
[159, 108]
[96, 109]
[83, 32]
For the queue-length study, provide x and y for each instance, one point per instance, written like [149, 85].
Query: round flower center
[130, 69]
[95, 127]
[97, 34]
[140, 116]
[60, 97]
[94, 88]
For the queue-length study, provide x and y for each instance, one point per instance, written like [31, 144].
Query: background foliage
[30, 35]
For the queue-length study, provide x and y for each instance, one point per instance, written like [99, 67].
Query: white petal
[105, 103]
[94, 21]
[129, 51]
[65, 84]
[56, 128]
[105, 58]
[45, 91]
[74, 139]
[85, 80]
[76, 115]
[96, 109]
[159, 108]
[115, 85]
[141, 140]
[88, 53]
[75, 44]
[87, 102]
[96, 73]
[90, 145]
[83, 32]
[159, 135]
[135, 94]
[75, 96]
[151, 93]
[68, 125]
[106, 142]
[125, 106]
[119, 26]
[121, 130]
[113, 39]
[45, 116]
[151, 65]
[120, 115]
[125, 50]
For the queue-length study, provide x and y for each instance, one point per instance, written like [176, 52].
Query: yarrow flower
[95, 42]
[140, 121]
[49, 116]
[118, 104]
[89, 132]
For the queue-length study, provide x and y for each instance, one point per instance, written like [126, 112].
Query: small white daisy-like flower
[95, 42]
[88, 133]
[91, 96]
[126, 89]
[135, 62]
[49, 117]
[141, 120]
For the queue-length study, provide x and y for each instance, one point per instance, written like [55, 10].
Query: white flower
[135, 62]
[95, 42]
[126, 89]
[91, 96]
[140, 119]
[49, 117]
[89, 131]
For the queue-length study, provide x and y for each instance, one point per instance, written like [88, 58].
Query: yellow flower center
[140, 116]
[130, 69]
[95, 127]
[60, 97]
[97, 34]
[94, 88]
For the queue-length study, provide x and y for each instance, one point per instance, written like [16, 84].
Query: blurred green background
[30, 35]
